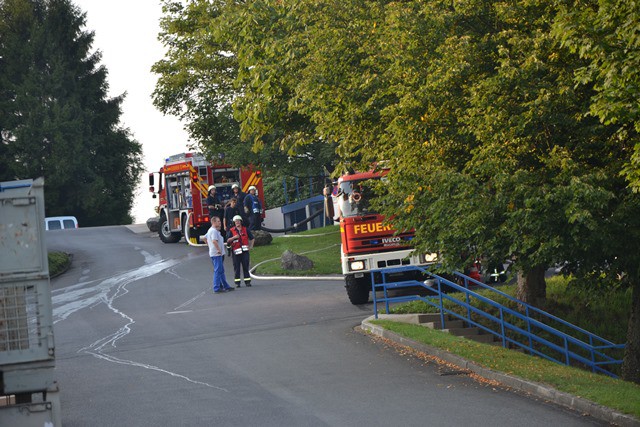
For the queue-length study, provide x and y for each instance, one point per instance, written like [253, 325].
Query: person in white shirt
[215, 241]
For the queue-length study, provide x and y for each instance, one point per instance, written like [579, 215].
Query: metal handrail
[530, 307]
[595, 358]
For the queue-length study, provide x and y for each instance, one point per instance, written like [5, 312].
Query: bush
[58, 262]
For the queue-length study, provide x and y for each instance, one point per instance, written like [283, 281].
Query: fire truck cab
[367, 243]
[182, 189]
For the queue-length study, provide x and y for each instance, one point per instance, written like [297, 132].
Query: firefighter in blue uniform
[253, 209]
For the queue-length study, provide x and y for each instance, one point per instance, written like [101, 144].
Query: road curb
[138, 228]
[543, 391]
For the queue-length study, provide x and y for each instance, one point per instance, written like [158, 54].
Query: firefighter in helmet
[253, 209]
[237, 192]
[241, 241]
[214, 204]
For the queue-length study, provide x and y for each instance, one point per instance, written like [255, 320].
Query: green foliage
[215, 77]
[196, 78]
[605, 33]
[490, 142]
[617, 394]
[55, 118]
[58, 262]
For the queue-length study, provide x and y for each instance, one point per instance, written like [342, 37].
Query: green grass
[323, 250]
[617, 394]
[58, 261]
[604, 312]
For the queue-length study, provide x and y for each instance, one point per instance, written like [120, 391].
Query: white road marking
[87, 294]
[189, 301]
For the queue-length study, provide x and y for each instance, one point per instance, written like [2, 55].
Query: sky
[126, 32]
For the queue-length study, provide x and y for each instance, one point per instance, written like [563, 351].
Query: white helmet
[212, 187]
[253, 187]
[237, 218]
[235, 186]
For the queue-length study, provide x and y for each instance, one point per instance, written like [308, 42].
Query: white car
[60, 222]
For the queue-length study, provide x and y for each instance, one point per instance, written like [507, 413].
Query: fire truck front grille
[393, 262]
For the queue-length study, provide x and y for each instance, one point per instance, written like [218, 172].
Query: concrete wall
[274, 219]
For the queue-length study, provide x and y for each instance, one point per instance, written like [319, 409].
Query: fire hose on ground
[253, 276]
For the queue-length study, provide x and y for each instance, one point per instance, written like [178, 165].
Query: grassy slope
[323, 250]
[616, 394]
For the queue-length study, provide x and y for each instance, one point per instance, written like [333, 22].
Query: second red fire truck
[182, 187]
[367, 243]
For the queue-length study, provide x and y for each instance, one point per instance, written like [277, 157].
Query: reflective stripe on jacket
[242, 244]
[253, 203]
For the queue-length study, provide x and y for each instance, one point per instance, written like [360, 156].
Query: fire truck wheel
[357, 290]
[165, 233]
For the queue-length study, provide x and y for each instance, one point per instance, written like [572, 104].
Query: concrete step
[484, 338]
[430, 317]
[463, 332]
[413, 318]
[453, 326]
[450, 324]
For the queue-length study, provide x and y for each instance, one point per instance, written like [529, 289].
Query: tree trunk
[532, 287]
[631, 364]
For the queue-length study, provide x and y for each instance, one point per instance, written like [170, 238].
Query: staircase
[455, 327]
[465, 312]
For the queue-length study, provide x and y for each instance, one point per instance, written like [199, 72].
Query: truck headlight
[432, 257]
[356, 265]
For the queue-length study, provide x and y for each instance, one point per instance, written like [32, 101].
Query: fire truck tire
[357, 289]
[165, 233]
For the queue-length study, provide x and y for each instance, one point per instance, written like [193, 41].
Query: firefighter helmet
[253, 187]
[235, 185]
[237, 218]
[212, 187]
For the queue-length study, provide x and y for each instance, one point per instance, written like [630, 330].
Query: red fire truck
[368, 244]
[183, 184]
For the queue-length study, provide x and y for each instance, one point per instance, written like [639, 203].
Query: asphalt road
[142, 341]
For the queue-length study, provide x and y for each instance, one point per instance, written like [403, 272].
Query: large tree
[56, 119]
[606, 33]
[215, 69]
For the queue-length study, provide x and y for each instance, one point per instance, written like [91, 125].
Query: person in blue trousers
[215, 241]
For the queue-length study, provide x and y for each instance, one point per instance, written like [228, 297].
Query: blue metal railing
[535, 331]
